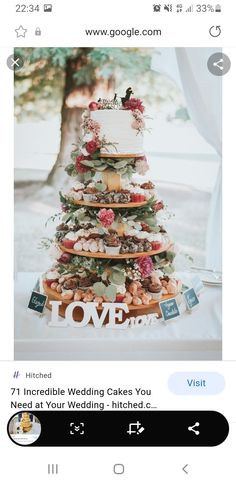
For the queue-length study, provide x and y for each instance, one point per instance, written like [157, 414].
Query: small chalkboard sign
[37, 301]
[191, 298]
[169, 309]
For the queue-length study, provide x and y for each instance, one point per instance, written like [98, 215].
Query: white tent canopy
[203, 95]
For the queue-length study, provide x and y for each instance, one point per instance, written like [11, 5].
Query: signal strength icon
[189, 9]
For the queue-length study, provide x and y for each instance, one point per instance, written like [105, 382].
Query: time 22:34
[27, 8]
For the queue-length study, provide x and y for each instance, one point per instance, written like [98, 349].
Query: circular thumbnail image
[24, 428]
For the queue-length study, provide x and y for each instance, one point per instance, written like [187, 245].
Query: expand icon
[77, 428]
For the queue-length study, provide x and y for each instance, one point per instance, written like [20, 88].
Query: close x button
[130, 428]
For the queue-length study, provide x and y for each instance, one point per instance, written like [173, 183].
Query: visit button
[196, 383]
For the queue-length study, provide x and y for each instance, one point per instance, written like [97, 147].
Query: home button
[118, 469]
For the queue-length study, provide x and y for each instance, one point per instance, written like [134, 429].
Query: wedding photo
[117, 205]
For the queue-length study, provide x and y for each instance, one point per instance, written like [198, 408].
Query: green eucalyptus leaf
[99, 288]
[97, 163]
[70, 170]
[101, 231]
[156, 229]
[169, 269]
[170, 255]
[100, 186]
[151, 221]
[101, 168]
[118, 267]
[121, 164]
[87, 176]
[105, 160]
[95, 155]
[74, 154]
[62, 198]
[117, 277]
[110, 293]
[87, 163]
[127, 160]
[129, 172]
[66, 217]
[157, 259]
[121, 171]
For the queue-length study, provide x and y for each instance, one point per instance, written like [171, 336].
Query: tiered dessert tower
[25, 423]
[111, 245]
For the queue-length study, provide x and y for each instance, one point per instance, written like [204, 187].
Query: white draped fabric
[203, 94]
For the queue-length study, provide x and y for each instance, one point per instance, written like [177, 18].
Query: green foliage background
[39, 86]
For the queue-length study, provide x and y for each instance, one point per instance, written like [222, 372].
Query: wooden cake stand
[121, 155]
[129, 205]
[114, 256]
[134, 310]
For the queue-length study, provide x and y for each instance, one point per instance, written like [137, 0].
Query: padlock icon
[37, 31]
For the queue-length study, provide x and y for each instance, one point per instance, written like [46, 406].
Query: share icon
[192, 428]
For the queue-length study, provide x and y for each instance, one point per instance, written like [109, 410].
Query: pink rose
[134, 103]
[138, 124]
[64, 208]
[93, 106]
[158, 206]
[135, 125]
[79, 166]
[106, 217]
[91, 146]
[141, 165]
[65, 258]
[145, 266]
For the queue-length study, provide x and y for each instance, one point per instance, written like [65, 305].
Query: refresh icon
[215, 30]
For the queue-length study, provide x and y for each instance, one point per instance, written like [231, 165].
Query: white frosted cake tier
[116, 127]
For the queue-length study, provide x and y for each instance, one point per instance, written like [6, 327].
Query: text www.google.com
[123, 32]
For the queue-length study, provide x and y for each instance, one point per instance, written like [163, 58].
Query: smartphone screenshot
[117, 351]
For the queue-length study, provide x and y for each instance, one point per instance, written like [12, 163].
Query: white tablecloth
[195, 336]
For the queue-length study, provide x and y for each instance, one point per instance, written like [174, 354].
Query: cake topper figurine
[116, 102]
[127, 95]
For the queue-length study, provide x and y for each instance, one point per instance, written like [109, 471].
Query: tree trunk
[70, 123]
[75, 100]
[70, 128]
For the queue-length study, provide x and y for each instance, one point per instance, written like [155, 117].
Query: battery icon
[218, 8]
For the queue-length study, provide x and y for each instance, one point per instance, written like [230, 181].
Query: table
[195, 336]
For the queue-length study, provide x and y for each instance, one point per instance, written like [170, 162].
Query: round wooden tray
[114, 206]
[57, 296]
[88, 254]
[135, 310]
[121, 155]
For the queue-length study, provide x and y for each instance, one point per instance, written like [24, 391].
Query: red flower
[145, 266]
[65, 258]
[134, 103]
[79, 166]
[64, 208]
[158, 206]
[91, 146]
[93, 106]
[143, 158]
[106, 217]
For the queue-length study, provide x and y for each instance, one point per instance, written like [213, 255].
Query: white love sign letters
[114, 311]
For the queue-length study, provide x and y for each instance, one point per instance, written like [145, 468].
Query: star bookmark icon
[20, 32]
